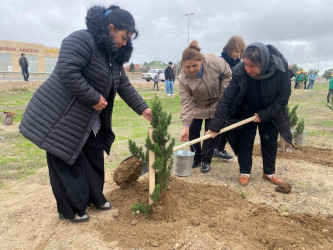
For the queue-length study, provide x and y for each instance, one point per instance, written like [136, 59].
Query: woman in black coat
[69, 116]
[260, 86]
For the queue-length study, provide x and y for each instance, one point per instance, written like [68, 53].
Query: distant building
[136, 67]
[42, 59]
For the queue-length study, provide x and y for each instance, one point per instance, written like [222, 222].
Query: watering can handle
[205, 137]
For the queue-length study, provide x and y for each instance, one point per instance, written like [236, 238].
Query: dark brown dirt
[320, 156]
[283, 188]
[128, 171]
[205, 216]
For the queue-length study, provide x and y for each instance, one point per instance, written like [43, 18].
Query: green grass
[19, 158]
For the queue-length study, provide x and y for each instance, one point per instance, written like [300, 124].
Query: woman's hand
[101, 104]
[184, 134]
[211, 133]
[257, 118]
[147, 114]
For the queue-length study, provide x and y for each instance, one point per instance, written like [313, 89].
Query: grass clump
[141, 207]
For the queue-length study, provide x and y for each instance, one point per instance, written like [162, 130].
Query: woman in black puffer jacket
[260, 86]
[69, 116]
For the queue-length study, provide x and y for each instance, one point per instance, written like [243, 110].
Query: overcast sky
[302, 29]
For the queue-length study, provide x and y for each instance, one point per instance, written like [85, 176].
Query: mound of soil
[305, 153]
[206, 216]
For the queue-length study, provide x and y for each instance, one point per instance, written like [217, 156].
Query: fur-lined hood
[104, 40]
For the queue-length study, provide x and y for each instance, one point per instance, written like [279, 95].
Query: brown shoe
[243, 179]
[274, 179]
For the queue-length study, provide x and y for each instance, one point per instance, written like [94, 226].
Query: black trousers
[221, 141]
[268, 139]
[205, 153]
[330, 92]
[76, 186]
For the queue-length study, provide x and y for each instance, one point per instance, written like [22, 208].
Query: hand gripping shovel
[205, 137]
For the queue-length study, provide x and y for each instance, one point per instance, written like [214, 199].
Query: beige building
[41, 59]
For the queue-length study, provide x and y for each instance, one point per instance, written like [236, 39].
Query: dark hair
[235, 43]
[122, 20]
[253, 54]
[192, 52]
[170, 63]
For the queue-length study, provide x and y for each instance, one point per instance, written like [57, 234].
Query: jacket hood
[97, 26]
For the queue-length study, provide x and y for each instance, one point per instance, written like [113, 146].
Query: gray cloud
[303, 28]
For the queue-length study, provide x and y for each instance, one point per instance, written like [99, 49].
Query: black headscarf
[270, 58]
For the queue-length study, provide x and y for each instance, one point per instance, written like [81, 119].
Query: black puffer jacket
[60, 116]
[275, 93]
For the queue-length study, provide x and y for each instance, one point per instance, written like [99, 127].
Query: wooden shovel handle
[205, 137]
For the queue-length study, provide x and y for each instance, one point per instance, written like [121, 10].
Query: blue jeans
[25, 73]
[310, 85]
[169, 87]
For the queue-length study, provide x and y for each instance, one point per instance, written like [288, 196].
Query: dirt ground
[201, 211]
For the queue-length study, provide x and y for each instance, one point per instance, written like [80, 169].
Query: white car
[152, 73]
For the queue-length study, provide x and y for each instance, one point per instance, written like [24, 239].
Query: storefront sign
[30, 50]
[7, 48]
[52, 51]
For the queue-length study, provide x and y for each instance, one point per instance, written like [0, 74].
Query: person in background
[174, 70]
[156, 80]
[305, 78]
[312, 78]
[231, 53]
[24, 63]
[260, 87]
[330, 89]
[70, 114]
[168, 73]
[202, 81]
[301, 80]
[296, 80]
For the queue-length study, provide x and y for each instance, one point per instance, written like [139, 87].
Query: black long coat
[60, 116]
[275, 92]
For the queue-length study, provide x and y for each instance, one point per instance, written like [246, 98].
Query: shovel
[145, 167]
[205, 137]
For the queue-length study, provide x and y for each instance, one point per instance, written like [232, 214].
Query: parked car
[152, 73]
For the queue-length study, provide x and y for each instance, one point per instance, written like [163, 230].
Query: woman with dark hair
[231, 53]
[260, 86]
[202, 81]
[69, 116]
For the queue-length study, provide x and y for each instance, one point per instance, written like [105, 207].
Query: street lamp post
[319, 60]
[278, 39]
[188, 27]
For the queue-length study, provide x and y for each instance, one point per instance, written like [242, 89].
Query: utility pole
[188, 27]
[319, 60]
[278, 39]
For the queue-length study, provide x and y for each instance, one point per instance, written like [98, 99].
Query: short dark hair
[22, 54]
[122, 20]
[170, 62]
[253, 54]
